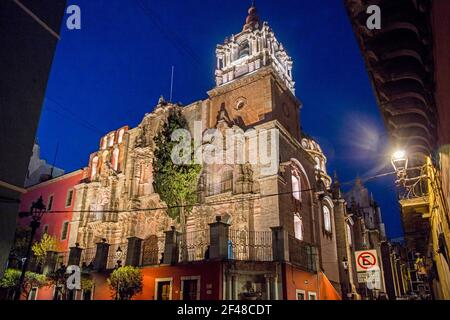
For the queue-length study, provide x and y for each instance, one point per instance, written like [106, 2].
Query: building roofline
[64, 176]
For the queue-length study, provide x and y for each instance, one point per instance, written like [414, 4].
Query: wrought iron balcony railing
[117, 252]
[152, 250]
[238, 245]
[193, 246]
[250, 245]
[302, 254]
[87, 256]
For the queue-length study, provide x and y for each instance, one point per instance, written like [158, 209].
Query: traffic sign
[366, 260]
[372, 278]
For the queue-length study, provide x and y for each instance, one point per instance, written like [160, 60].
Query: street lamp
[399, 161]
[345, 264]
[118, 256]
[37, 211]
[347, 280]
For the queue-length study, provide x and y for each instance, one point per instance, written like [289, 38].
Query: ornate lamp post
[345, 264]
[37, 210]
[347, 280]
[399, 161]
[118, 257]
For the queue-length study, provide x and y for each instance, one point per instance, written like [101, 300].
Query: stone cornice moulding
[249, 78]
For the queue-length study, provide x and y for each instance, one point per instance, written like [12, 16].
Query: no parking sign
[366, 260]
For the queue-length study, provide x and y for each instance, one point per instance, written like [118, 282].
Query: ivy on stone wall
[175, 183]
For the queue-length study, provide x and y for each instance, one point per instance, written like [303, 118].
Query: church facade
[274, 221]
[253, 233]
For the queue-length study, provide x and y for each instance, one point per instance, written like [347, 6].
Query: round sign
[366, 260]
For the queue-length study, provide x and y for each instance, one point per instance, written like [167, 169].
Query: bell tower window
[244, 49]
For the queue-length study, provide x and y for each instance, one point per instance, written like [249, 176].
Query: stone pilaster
[218, 240]
[75, 255]
[133, 251]
[171, 247]
[280, 244]
[101, 256]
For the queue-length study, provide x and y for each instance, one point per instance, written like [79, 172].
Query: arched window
[120, 138]
[296, 186]
[349, 234]
[244, 49]
[94, 167]
[111, 140]
[116, 159]
[298, 227]
[104, 143]
[326, 218]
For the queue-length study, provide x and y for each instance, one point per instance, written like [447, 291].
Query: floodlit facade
[265, 236]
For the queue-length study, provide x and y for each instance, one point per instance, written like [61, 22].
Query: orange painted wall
[59, 188]
[46, 293]
[210, 274]
[296, 279]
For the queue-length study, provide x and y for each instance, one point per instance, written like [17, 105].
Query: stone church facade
[273, 220]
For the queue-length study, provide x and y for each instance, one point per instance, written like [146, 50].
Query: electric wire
[244, 198]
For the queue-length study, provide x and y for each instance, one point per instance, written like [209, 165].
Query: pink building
[59, 197]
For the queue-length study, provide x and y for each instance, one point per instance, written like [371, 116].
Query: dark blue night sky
[112, 71]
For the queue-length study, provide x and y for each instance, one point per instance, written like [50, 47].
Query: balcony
[250, 245]
[152, 251]
[415, 199]
[302, 254]
[218, 243]
[194, 246]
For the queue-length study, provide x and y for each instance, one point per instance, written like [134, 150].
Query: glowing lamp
[399, 161]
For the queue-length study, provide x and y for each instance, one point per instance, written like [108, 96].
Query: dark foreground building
[28, 34]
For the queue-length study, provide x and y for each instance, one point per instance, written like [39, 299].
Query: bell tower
[254, 81]
[253, 48]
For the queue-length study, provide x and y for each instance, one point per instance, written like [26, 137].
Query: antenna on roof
[54, 160]
[171, 85]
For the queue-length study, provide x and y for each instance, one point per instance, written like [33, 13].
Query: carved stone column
[275, 288]
[229, 287]
[268, 278]
[235, 287]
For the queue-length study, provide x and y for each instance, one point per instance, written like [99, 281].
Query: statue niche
[144, 179]
[99, 205]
